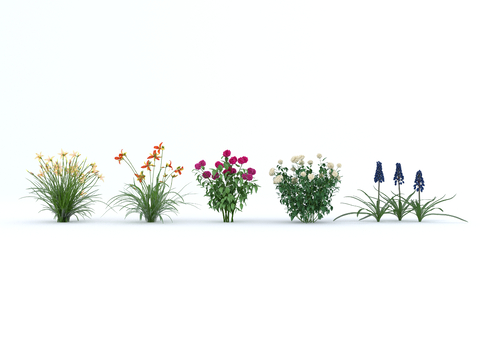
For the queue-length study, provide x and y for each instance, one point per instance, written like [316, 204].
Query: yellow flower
[74, 154]
[39, 156]
[101, 177]
[63, 153]
[49, 159]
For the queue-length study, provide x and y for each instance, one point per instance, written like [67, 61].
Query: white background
[358, 81]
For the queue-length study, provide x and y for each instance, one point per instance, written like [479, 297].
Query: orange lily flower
[154, 156]
[147, 165]
[169, 165]
[179, 170]
[140, 177]
[120, 156]
[159, 147]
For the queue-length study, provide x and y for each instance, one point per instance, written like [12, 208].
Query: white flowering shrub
[306, 192]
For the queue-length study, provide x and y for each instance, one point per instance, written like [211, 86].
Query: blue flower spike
[398, 175]
[379, 173]
[419, 183]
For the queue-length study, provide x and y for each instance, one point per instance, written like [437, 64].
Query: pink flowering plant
[227, 184]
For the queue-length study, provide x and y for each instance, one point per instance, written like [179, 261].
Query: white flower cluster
[303, 173]
[278, 179]
[271, 172]
[311, 177]
[297, 158]
[280, 162]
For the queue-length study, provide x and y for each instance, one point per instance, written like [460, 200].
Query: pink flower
[249, 177]
[251, 171]
[233, 170]
[198, 166]
[233, 160]
[207, 174]
[227, 153]
[244, 176]
[243, 160]
[218, 163]
[202, 163]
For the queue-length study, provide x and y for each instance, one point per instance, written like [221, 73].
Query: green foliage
[307, 194]
[400, 207]
[375, 207]
[426, 209]
[66, 187]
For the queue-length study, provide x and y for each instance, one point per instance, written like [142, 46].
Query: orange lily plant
[156, 199]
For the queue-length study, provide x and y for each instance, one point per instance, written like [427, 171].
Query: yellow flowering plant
[67, 187]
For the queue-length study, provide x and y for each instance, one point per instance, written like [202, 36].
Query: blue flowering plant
[428, 207]
[401, 206]
[375, 207]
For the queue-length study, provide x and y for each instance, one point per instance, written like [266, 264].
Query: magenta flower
[233, 160]
[216, 176]
[218, 163]
[244, 176]
[227, 153]
[233, 170]
[249, 177]
[202, 163]
[251, 171]
[207, 174]
[198, 166]
[243, 160]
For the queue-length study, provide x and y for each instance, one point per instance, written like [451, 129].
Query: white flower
[311, 177]
[301, 162]
[310, 162]
[294, 180]
[330, 165]
[280, 162]
[293, 169]
[301, 157]
[294, 159]
[339, 166]
[319, 155]
[271, 172]
[303, 173]
[278, 179]
[334, 173]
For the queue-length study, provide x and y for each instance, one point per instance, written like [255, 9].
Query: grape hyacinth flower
[379, 173]
[419, 183]
[398, 175]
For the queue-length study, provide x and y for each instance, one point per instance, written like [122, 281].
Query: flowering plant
[66, 186]
[401, 207]
[228, 184]
[155, 199]
[306, 193]
[376, 208]
[426, 209]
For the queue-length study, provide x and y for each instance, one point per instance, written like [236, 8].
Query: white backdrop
[358, 81]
